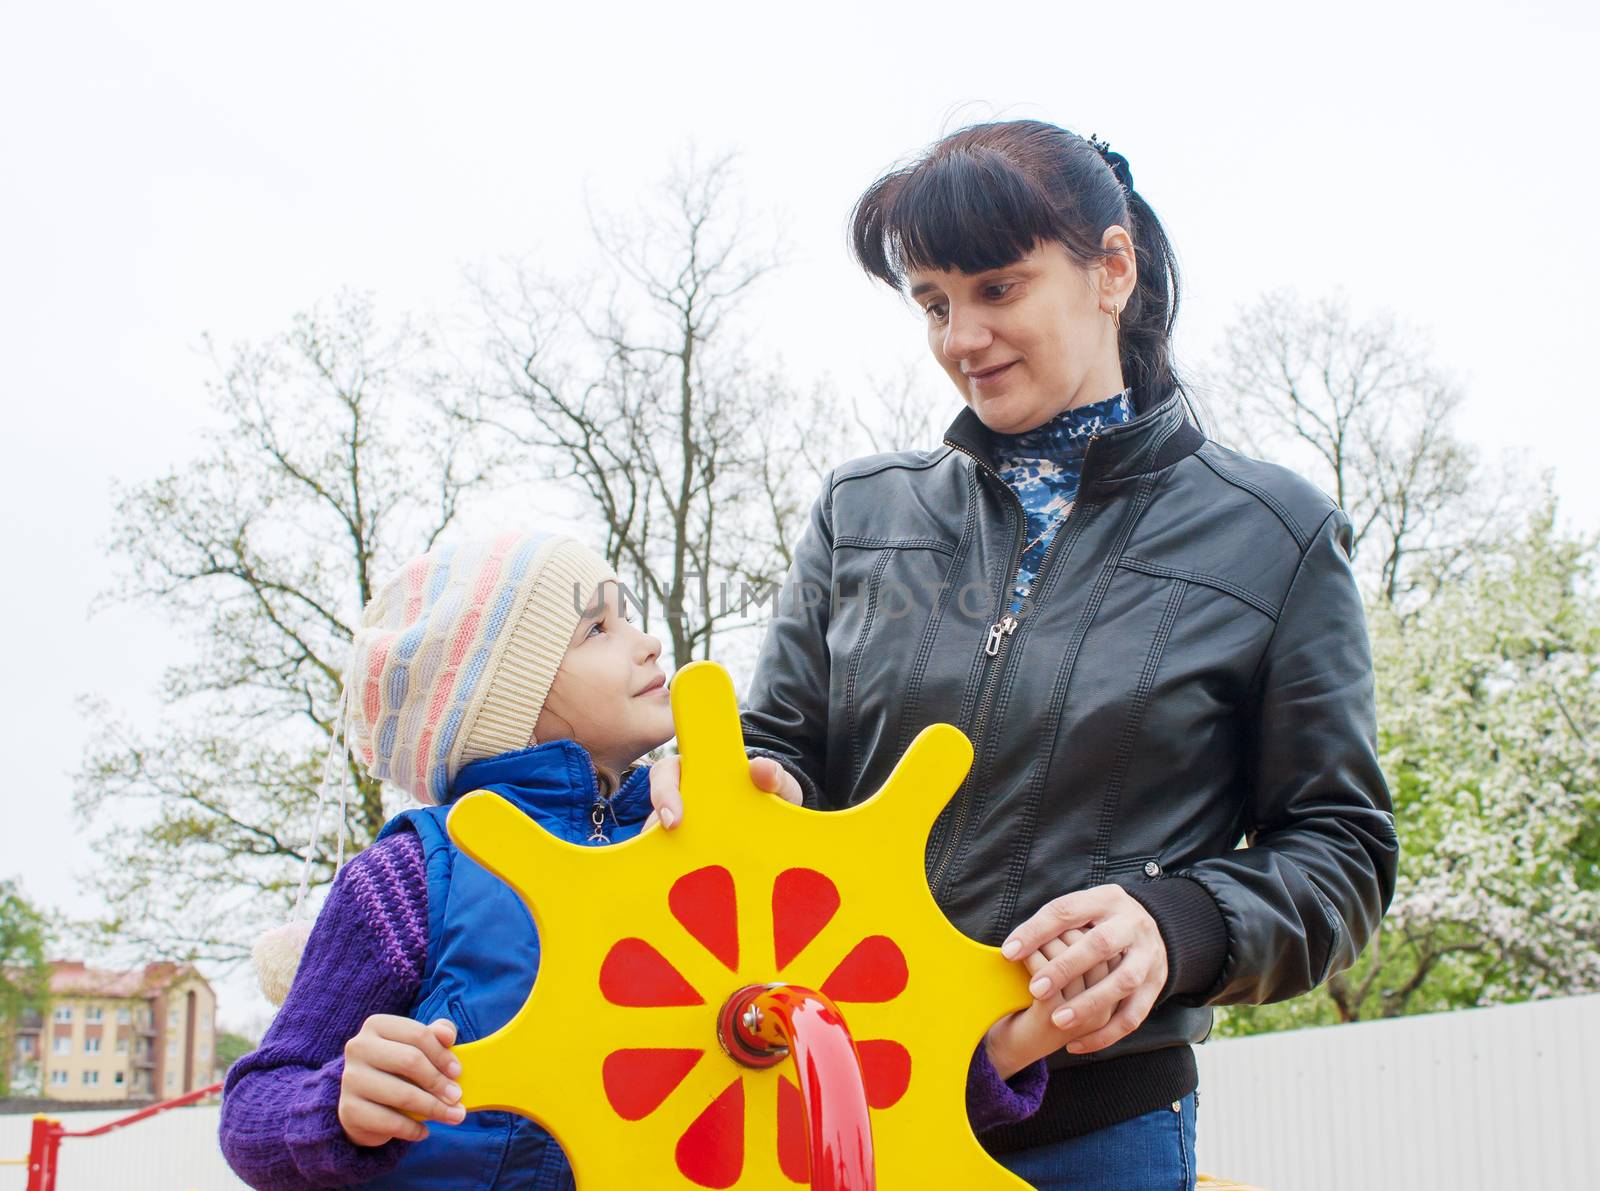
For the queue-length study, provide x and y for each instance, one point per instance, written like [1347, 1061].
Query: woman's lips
[982, 379]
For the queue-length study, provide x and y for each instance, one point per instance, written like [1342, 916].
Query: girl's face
[609, 694]
[1030, 339]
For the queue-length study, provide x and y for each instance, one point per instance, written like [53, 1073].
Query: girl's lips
[657, 687]
[988, 378]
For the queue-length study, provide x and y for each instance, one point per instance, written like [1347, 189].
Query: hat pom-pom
[276, 956]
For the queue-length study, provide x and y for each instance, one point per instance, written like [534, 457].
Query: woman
[1156, 645]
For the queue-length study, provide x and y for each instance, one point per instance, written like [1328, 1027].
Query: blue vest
[483, 955]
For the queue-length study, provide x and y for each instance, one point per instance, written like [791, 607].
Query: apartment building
[145, 1034]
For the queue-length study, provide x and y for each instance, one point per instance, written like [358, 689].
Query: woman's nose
[965, 334]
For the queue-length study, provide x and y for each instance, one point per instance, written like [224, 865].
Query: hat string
[334, 775]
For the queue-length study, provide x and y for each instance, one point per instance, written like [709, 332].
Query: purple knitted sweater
[280, 1107]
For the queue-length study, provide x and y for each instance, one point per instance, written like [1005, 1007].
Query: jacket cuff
[992, 1101]
[1194, 931]
[810, 797]
[321, 1152]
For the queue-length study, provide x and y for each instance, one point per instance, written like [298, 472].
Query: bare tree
[894, 413]
[693, 461]
[333, 462]
[900, 413]
[1359, 404]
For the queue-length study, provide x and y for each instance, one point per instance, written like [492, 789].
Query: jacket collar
[556, 777]
[1159, 435]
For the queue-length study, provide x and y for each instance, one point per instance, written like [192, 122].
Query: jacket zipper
[994, 646]
[597, 813]
[998, 631]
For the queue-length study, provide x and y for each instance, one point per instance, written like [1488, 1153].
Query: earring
[1116, 317]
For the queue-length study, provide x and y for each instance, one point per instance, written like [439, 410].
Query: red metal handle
[131, 1118]
[761, 1025]
[45, 1147]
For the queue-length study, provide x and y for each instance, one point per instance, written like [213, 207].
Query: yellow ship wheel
[649, 1044]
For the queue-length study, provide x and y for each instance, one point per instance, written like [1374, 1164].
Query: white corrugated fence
[1480, 1098]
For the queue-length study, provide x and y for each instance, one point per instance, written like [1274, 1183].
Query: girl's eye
[594, 628]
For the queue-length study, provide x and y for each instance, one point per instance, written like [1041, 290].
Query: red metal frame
[45, 1146]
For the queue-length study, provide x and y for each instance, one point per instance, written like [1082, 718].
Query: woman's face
[1028, 340]
[609, 694]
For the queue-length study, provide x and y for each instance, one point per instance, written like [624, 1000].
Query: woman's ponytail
[1146, 339]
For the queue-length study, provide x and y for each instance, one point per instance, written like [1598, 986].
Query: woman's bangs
[967, 212]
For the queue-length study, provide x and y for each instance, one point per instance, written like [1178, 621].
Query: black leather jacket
[1193, 670]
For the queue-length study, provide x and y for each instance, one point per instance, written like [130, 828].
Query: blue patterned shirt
[1042, 467]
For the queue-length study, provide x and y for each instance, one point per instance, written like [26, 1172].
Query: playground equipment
[45, 1144]
[762, 997]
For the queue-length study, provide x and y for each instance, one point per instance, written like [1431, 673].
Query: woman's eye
[935, 311]
[998, 289]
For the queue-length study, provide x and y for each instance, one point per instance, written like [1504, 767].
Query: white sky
[169, 169]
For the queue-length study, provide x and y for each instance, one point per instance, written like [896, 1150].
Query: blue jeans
[1154, 1152]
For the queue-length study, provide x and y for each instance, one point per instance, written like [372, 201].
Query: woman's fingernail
[1039, 987]
[1062, 1017]
[1075, 1047]
[667, 817]
[1010, 949]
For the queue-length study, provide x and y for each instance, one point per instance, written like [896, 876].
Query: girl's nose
[651, 646]
[965, 334]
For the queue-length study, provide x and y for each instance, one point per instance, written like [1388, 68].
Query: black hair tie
[1120, 169]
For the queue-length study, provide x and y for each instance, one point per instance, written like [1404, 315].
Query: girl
[506, 665]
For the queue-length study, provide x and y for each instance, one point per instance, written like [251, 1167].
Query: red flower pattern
[638, 1081]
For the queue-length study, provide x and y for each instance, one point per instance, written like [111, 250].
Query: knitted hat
[455, 655]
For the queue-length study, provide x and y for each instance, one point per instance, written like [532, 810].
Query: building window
[124, 1015]
[205, 1021]
[203, 1049]
[91, 1078]
[172, 1019]
[91, 1046]
[172, 1079]
[62, 1045]
[118, 1078]
[94, 1013]
[172, 1047]
[58, 1078]
[63, 1013]
[25, 1045]
[122, 1046]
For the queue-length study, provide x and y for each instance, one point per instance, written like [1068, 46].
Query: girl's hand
[1028, 1035]
[398, 1073]
[1116, 930]
[665, 796]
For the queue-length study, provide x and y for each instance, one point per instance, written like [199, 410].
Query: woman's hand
[1028, 1035]
[1117, 931]
[398, 1073]
[665, 796]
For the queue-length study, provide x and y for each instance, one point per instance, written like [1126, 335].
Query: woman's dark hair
[986, 195]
